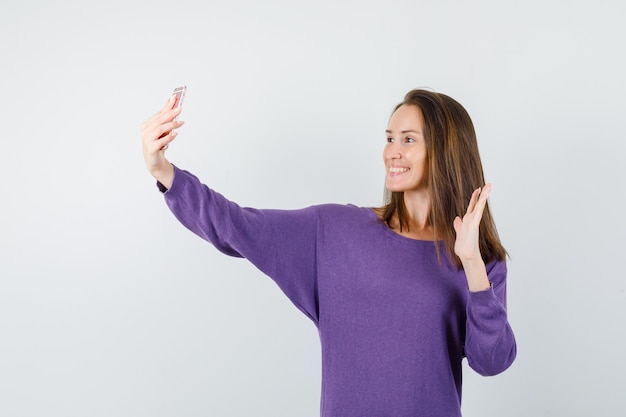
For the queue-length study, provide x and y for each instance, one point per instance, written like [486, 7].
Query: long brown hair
[453, 172]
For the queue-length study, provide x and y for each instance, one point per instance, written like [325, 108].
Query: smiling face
[405, 153]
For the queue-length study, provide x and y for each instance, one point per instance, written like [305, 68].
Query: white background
[108, 307]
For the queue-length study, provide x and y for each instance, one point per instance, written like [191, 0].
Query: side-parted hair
[453, 172]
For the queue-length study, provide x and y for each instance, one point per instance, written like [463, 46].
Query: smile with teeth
[397, 170]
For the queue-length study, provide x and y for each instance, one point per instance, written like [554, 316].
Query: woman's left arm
[490, 345]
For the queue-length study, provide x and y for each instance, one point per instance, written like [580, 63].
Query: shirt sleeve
[490, 345]
[281, 243]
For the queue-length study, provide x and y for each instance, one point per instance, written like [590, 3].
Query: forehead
[406, 117]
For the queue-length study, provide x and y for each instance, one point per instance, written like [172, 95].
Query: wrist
[476, 274]
[164, 175]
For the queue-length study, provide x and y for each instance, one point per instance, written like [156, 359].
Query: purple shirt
[394, 323]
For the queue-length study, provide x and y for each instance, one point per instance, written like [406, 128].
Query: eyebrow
[403, 131]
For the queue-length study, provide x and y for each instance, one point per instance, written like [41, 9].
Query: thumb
[457, 224]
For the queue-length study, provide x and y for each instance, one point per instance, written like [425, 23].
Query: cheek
[419, 164]
[418, 156]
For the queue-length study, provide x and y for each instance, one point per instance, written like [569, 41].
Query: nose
[392, 151]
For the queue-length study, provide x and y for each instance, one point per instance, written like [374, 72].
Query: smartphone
[179, 93]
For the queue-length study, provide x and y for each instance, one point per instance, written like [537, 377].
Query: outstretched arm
[281, 243]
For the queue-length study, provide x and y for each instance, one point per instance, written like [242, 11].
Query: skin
[405, 162]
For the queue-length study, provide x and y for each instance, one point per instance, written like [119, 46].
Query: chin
[403, 189]
[395, 189]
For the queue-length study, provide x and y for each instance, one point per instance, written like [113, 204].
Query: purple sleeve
[489, 342]
[281, 243]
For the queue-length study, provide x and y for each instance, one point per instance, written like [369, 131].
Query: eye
[389, 140]
[409, 140]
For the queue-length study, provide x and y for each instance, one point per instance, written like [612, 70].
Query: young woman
[401, 293]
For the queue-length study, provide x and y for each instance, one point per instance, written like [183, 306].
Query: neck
[417, 205]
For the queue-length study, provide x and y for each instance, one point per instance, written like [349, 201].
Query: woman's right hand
[156, 134]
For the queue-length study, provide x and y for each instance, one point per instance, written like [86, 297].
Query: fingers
[161, 134]
[162, 143]
[164, 129]
[479, 197]
[484, 195]
[479, 202]
[166, 114]
[472, 203]
[159, 126]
